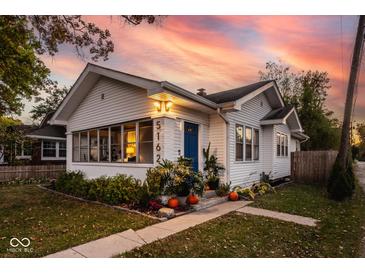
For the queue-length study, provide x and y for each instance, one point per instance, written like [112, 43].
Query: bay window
[131, 142]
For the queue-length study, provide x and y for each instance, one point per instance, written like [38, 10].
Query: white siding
[281, 164]
[251, 113]
[268, 148]
[218, 139]
[123, 102]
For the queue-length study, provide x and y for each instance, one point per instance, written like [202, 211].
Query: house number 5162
[158, 146]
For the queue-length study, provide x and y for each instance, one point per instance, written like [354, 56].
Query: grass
[54, 223]
[239, 235]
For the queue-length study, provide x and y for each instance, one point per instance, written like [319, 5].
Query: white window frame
[109, 146]
[253, 128]
[57, 158]
[286, 144]
[22, 156]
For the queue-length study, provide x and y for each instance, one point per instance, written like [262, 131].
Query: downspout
[226, 141]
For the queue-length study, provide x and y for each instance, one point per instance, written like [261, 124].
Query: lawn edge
[100, 203]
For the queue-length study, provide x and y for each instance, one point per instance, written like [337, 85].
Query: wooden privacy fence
[312, 166]
[8, 173]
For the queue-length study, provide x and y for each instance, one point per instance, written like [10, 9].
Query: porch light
[157, 106]
[168, 105]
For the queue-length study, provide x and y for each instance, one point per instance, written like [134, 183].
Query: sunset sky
[223, 52]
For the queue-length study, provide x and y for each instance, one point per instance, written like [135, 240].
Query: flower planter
[182, 200]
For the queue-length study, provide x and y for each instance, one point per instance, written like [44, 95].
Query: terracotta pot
[173, 203]
[192, 199]
[233, 196]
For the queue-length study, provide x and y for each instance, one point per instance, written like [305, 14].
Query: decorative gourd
[192, 199]
[173, 203]
[233, 196]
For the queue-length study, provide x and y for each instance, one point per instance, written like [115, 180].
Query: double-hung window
[247, 143]
[53, 150]
[239, 143]
[282, 145]
[256, 145]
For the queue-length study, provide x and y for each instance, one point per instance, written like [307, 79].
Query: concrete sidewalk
[118, 243]
[279, 216]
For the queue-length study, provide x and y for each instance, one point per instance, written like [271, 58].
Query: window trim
[45, 158]
[253, 128]
[121, 126]
[22, 156]
[241, 143]
[282, 147]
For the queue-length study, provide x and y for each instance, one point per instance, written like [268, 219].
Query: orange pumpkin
[173, 203]
[233, 196]
[192, 199]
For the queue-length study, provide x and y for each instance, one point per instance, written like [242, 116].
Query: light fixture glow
[168, 105]
[157, 106]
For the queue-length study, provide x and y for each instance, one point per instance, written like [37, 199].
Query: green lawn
[239, 235]
[55, 223]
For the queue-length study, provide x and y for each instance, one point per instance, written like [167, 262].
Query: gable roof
[236, 93]
[48, 132]
[92, 73]
[278, 113]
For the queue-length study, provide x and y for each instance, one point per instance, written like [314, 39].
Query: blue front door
[191, 143]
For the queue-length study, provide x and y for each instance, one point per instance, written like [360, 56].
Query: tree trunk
[356, 59]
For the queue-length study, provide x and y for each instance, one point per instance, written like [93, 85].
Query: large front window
[129, 143]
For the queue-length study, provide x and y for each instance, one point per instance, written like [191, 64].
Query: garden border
[44, 187]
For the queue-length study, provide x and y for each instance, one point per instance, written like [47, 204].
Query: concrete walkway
[360, 174]
[279, 215]
[118, 243]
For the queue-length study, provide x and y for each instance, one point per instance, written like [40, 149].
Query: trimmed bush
[341, 182]
[113, 190]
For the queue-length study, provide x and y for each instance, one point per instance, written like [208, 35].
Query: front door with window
[191, 143]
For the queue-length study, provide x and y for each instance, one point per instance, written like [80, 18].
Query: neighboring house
[44, 144]
[121, 123]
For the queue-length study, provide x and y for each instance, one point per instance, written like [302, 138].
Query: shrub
[341, 182]
[212, 169]
[72, 182]
[223, 189]
[181, 179]
[111, 190]
[261, 188]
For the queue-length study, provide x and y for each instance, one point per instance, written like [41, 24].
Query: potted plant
[212, 169]
[184, 180]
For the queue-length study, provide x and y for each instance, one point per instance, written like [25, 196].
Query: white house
[122, 123]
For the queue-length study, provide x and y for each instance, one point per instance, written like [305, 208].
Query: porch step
[205, 203]
[209, 194]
